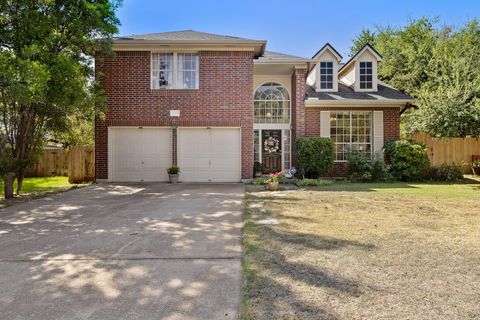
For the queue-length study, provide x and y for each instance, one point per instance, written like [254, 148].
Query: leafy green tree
[438, 66]
[365, 36]
[47, 75]
[80, 132]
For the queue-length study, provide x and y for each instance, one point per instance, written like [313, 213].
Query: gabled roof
[328, 46]
[185, 35]
[346, 94]
[277, 56]
[354, 58]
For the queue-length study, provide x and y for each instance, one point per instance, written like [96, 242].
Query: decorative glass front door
[271, 150]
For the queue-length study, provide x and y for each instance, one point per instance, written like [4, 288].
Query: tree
[47, 74]
[365, 36]
[438, 66]
[80, 131]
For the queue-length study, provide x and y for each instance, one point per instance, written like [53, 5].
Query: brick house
[214, 105]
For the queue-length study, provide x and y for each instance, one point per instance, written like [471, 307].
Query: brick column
[101, 149]
[298, 107]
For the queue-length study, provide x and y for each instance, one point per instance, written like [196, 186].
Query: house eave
[314, 102]
[258, 47]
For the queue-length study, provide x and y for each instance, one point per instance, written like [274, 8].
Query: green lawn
[42, 184]
[363, 251]
[466, 189]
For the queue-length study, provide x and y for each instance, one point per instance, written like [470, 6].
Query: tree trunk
[20, 176]
[8, 185]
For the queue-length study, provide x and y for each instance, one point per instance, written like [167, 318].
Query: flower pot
[173, 178]
[272, 186]
[258, 174]
[476, 171]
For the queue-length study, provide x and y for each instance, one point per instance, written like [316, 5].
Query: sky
[298, 27]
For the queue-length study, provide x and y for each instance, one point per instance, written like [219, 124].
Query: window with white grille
[351, 131]
[174, 71]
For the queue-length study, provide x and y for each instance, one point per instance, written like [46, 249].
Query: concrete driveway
[153, 251]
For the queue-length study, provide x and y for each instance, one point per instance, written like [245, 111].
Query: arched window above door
[271, 104]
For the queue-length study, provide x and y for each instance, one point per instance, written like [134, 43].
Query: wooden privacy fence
[52, 162]
[455, 150]
[81, 164]
[77, 162]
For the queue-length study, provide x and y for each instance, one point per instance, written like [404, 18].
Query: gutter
[314, 102]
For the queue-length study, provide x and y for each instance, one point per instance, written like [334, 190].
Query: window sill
[168, 91]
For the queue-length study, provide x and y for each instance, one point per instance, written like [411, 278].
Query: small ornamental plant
[273, 180]
[476, 167]
[173, 170]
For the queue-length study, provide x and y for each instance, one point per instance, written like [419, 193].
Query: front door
[271, 150]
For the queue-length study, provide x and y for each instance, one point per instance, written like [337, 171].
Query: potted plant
[476, 167]
[257, 169]
[273, 180]
[173, 172]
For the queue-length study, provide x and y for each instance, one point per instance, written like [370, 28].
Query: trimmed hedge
[408, 159]
[314, 155]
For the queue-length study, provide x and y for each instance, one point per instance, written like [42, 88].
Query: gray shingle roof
[185, 35]
[272, 56]
[345, 92]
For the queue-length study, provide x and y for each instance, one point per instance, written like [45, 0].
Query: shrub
[363, 168]
[313, 182]
[408, 159]
[314, 155]
[445, 172]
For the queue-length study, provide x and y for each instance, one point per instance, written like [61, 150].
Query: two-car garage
[203, 154]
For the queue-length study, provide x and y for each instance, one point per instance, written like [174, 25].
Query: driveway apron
[144, 251]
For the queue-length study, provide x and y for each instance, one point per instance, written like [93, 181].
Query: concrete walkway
[153, 251]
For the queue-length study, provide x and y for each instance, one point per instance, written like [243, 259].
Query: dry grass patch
[375, 251]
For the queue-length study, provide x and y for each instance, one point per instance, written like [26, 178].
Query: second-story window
[326, 75]
[366, 75]
[174, 71]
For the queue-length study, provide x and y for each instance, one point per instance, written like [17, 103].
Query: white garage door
[139, 154]
[209, 155]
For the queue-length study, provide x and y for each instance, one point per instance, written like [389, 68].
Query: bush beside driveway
[364, 251]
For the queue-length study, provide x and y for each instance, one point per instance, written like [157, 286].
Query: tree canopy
[46, 50]
[439, 67]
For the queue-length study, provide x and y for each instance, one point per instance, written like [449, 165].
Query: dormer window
[323, 76]
[326, 75]
[366, 75]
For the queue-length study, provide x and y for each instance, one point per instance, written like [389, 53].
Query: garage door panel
[140, 154]
[209, 154]
[157, 146]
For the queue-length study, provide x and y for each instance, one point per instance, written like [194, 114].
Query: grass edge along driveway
[38, 186]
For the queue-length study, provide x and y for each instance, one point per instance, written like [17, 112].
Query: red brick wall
[298, 108]
[391, 127]
[224, 98]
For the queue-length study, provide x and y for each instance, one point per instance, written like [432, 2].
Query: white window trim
[335, 76]
[273, 125]
[360, 74]
[320, 76]
[374, 76]
[371, 134]
[175, 70]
